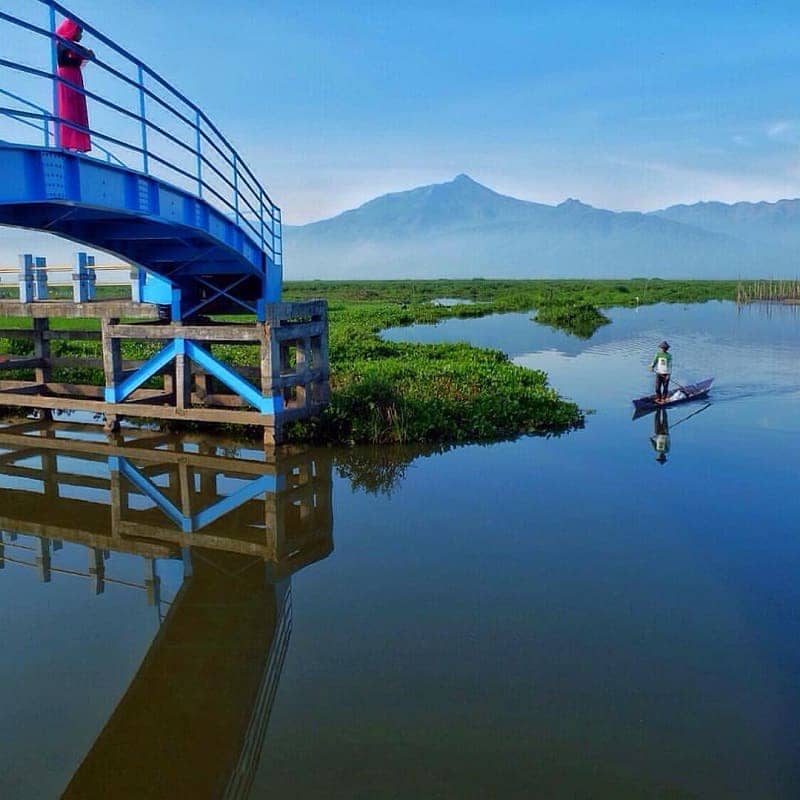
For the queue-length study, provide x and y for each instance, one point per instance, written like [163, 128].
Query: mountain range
[464, 229]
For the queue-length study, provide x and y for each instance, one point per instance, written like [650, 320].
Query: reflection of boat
[683, 394]
[193, 719]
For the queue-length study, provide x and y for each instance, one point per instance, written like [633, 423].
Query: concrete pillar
[26, 278]
[40, 278]
[84, 278]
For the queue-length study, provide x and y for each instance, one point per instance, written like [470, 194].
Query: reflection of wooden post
[186, 486]
[274, 525]
[116, 503]
[50, 472]
[43, 561]
[112, 366]
[97, 568]
[186, 557]
[2, 551]
[208, 479]
[152, 583]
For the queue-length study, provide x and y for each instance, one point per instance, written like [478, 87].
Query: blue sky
[625, 105]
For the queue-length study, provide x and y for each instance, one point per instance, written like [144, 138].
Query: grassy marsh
[394, 392]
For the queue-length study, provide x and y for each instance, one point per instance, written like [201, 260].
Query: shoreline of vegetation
[396, 392]
[386, 392]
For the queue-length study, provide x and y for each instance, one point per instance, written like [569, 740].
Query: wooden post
[112, 366]
[41, 350]
[271, 380]
[202, 380]
[183, 383]
[319, 358]
[302, 359]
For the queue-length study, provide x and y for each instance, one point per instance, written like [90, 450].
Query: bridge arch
[162, 189]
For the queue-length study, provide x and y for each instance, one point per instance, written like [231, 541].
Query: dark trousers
[662, 385]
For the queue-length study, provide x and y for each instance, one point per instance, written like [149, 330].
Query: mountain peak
[573, 202]
[463, 178]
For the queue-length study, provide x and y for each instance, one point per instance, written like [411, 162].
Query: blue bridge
[162, 188]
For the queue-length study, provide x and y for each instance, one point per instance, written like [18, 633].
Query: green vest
[662, 363]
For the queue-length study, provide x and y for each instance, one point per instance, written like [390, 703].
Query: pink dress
[71, 102]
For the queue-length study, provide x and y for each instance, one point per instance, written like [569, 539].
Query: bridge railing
[136, 118]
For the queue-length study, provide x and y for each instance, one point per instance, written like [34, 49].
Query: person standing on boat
[71, 98]
[662, 366]
[660, 438]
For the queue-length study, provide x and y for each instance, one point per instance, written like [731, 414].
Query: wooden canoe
[678, 395]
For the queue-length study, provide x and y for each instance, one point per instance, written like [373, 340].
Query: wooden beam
[97, 309]
[199, 333]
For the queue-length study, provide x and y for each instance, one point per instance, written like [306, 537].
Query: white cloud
[786, 131]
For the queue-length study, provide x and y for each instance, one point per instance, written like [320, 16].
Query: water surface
[549, 617]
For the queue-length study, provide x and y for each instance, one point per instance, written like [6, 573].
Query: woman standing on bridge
[71, 103]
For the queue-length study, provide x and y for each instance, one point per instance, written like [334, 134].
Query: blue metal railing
[46, 116]
[160, 130]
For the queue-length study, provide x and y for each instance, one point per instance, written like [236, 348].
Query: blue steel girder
[265, 404]
[139, 219]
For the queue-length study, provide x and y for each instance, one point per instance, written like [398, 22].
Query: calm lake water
[561, 617]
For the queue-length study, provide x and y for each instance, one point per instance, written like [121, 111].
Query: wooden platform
[188, 375]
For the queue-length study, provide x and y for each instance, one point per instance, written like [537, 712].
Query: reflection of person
[662, 366]
[71, 101]
[660, 438]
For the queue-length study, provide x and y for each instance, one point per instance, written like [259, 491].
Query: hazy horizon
[627, 106]
[14, 241]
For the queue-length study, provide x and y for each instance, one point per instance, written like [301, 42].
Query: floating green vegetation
[400, 393]
[579, 319]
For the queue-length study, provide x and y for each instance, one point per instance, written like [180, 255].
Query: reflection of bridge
[193, 720]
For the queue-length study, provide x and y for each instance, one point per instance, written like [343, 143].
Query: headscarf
[68, 29]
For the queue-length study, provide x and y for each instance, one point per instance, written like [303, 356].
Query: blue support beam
[116, 394]
[234, 381]
[213, 366]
